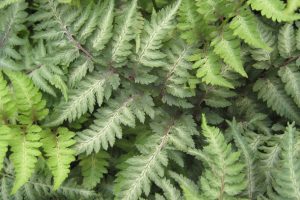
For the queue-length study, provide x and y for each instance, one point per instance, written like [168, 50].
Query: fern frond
[273, 9]
[228, 48]
[287, 173]
[292, 6]
[245, 26]
[291, 77]
[5, 3]
[249, 157]
[104, 32]
[218, 97]
[155, 31]
[25, 150]
[46, 76]
[170, 191]
[223, 178]
[39, 187]
[286, 41]
[135, 179]
[75, 34]
[206, 9]
[5, 185]
[272, 92]
[269, 157]
[123, 33]
[57, 147]
[7, 104]
[83, 99]
[107, 126]
[188, 22]
[93, 168]
[298, 38]
[270, 39]
[174, 81]
[79, 70]
[141, 170]
[29, 102]
[6, 135]
[190, 189]
[209, 69]
[12, 21]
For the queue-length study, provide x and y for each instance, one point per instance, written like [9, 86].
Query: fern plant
[135, 99]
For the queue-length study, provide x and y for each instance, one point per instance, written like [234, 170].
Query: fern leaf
[228, 48]
[4, 188]
[291, 77]
[271, 91]
[273, 9]
[93, 168]
[223, 178]
[57, 147]
[104, 32]
[155, 31]
[210, 71]
[286, 41]
[107, 125]
[139, 171]
[47, 77]
[292, 6]
[5, 3]
[124, 33]
[249, 156]
[190, 189]
[287, 174]
[28, 99]
[5, 136]
[40, 187]
[298, 38]
[79, 71]
[177, 70]
[245, 26]
[269, 157]
[7, 105]
[188, 21]
[82, 99]
[217, 97]
[135, 179]
[90, 24]
[12, 21]
[24, 147]
[170, 191]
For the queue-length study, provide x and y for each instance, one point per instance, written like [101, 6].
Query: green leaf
[228, 48]
[291, 77]
[223, 177]
[245, 26]
[92, 89]
[6, 134]
[287, 172]
[272, 92]
[29, 102]
[25, 150]
[210, 71]
[273, 9]
[152, 38]
[93, 168]
[286, 41]
[57, 146]
[190, 189]
[7, 104]
[107, 125]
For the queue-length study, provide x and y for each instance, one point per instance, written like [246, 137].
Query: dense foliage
[139, 99]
